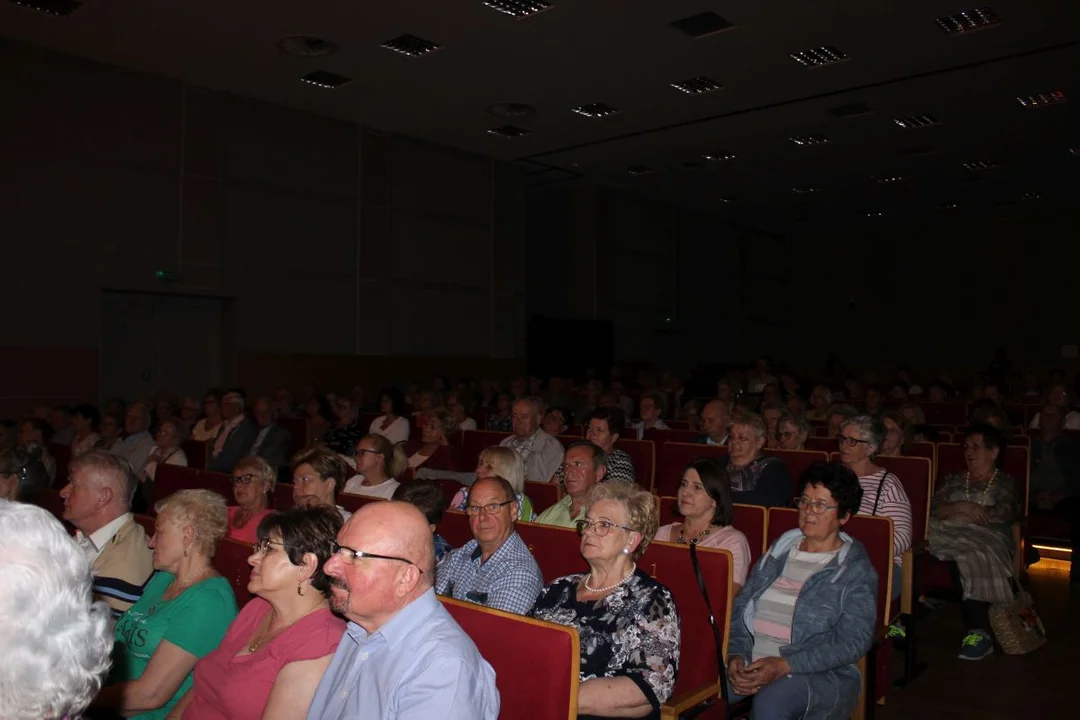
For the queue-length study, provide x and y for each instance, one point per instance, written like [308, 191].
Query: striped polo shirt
[775, 609]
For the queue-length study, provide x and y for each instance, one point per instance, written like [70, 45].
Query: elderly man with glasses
[495, 568]
[402, 655]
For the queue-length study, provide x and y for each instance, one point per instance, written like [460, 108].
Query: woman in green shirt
[183, 614]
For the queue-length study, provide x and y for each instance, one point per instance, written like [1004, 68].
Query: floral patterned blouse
[1000, 498]
[633, 632]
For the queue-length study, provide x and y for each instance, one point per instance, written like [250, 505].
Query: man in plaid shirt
[495, 568]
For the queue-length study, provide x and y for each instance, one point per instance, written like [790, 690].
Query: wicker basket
[1017, 626]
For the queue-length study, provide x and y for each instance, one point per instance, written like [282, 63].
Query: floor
[1038, 685]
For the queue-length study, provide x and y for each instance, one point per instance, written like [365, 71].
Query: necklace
[262, 638]
[694, 540]
[633, 569]
[986, 490]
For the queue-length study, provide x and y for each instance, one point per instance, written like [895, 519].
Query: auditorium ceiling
[798, 113]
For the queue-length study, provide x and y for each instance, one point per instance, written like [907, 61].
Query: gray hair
[753, 421]
[869, 429]
[536, 403]
[111, 470]
[802, 425]
[827, 392]
[599, 457]
[57, 641]
[508, 465]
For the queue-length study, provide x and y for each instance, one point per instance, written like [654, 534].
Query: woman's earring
[626, 550]
[300, 589]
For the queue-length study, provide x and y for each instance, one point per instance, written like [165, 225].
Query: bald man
[715, 421]
[402, 656]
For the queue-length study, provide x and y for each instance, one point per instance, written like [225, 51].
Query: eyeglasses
[263, 547]
[490, 508]
[365, 451]
[349, 556]
[600, 527]
[817, 506]
[245, 479]
[974, 446]
[850, 441]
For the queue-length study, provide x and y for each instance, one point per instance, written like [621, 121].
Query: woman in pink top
[704, 501]
[279, 646]
[253, 481]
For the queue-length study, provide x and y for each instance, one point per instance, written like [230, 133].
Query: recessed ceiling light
[968, 21]
[719, 156]
[509, 131]
[595, 110]
[947, 206]
[1043, 99]
[726, 200]
[697, 85]
[411, 46]
[977, 165]
[813, 139]
[850, 110]
[819, 56]
[59, 8]
[1031, 196]
[701, 25]
[640, 170]
[890, 179]
[307, 46]
[873, 213]
[325, 80]
[518, 8]
[805, 190]
[916, 121]
[511, 109]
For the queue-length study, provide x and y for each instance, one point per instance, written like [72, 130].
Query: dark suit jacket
[237, 443]
[276, 446]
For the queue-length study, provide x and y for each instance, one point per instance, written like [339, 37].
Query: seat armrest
[909, 575]
[678, 704]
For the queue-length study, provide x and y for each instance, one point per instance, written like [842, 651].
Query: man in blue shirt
[495, 568]
[402, 656]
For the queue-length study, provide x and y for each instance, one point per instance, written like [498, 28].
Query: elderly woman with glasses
[860, 440]
[792, 431]
[276, 651]
[971, 530]
[627, 622]
[756, 479]
[184, 611]
[253, 481]
[434, 450]
[808, 611]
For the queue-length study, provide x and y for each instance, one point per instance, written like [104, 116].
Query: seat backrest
[536, 663]
[568, 440]
[352, 502]
[449, 487]
[750, 520]
[875, 532]
[298, 429]
[923, 450]
[798, 461]
[454, 528]
[575, 431]
[1017, 465]
[665, 436]
[670, 565]
[170, 478]
[231, 560]
[820, 444]
[643, 456]
[283, 496]
[915, 475]
[683, 425]
[147, 522]
[219, 482]
[473, 441]
[673, 460]
[557, 550]
[61, 453]
[945, 413]
[49, 499]
[542, 494]
[1021, 440]
[196, 452]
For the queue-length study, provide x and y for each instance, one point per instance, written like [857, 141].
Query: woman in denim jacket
[808, 611]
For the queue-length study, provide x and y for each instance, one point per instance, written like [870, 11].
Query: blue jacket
[833, 625]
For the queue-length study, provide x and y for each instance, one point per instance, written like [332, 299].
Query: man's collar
[101, 537]
[478, 552]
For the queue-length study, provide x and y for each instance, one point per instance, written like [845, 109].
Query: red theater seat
[683, 425]
[643, 456]
[536, 663]
[543, 495]
[298, 428]
[660, 437]
[798, 461]
[455, 528]
[352, 502]
[62, 455]
[675, 457]
[568, 440]
[557, 550]
[449, 487]
[197, 453]
[750, 520]
[231, 560]
[221, 483]
[49, 499]
[283, 496]
[945, 413]
[821, 444]
[473, 441]
[148, 523]
[170, 478]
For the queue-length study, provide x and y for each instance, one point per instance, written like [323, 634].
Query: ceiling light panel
[325, 80]
[814, 139]
[509, 131]
[701, 25]
[979, 165]
[968, 21]
[595, 110]
[873, 213]
[718, 156]
[640, 170]
[889, 179]
[59, 8]
[411, 46]
[805, 190]
[1043, 99]
[916, 121]
[518, 8]
[819, 56]
[697, 85]
[1031, 196]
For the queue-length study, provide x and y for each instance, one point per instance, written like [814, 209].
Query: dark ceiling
[626, 54]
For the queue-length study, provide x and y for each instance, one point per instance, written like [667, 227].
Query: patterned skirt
[982, 555]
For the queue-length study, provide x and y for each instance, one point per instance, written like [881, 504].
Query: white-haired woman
[820, 400]
[626, 621]
[56, 640]
[494, 462]
[183, 614]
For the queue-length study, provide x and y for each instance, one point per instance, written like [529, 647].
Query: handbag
[1017, 627]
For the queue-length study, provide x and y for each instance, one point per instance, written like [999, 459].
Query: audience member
[137, 442]
[895, 440]
[253, 480]
[284, 405]
[458, 412]
[378, 465]
[704, 503]
[793, 431]
[770, 413]
[540, 452]
[182, 615]
[1055, 476]
[85, 421]
[495, 568]
[392, 423]
[34, 436]
[627, 622]
[496, 462]
[56, 638]
[912, 414]
[434, 450]
[873, 402]
[624, 401]
[190, 410]
[554, 422]
[652, 408]
[428, 498]
[60, 422]
[343, 435]
[715, 420]
[583, 467]
[762, 376]
[97, 501]
[501, 420]
[402, 655]
[22, 474]
[110, 431]
[691, 413]
[319, 415]
[207, 429]
[276, 650]
[603, 429]
[838, 413]
[235, 437]
[165, 408]
[808, 611]
[756, 479]
[318, 474]
[272, 443]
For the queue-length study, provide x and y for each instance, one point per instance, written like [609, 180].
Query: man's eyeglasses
[244, 479]
[600, 527]
[263, 546]
[850, 441]
[348, 556]
[489, 509]
[817, 507]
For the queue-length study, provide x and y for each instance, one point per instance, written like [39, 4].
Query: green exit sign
[168, 275]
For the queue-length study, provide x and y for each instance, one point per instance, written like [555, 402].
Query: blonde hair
[507, 464]
[260, 469]
[639, 504]
[204, 510]
[395, 461]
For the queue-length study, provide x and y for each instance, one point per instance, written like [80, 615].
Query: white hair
[56, 639]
